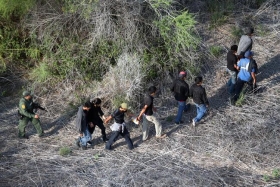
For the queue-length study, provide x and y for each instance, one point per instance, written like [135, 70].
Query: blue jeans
[200, 111]
[231, 82]
[85, 138]
[181, 107]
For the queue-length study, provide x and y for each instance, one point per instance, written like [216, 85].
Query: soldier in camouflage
[26, 111]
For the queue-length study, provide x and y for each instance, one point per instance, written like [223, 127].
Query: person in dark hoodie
[197, 92]
[82, 125]
[94, 117]
[181, 92]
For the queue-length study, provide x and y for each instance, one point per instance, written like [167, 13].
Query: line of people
[241, 67]
[89, 115]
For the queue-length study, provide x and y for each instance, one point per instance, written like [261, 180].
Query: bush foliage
[73, 41]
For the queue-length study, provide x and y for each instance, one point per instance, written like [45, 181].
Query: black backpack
[254, 65]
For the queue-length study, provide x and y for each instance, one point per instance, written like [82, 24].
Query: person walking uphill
[94, 117]
[247, 74]
[118, 127]
[245, 42]
[232, 68]
[147, 113]
[197, 92]
[181, 93]
[82, 125]
[26, 107]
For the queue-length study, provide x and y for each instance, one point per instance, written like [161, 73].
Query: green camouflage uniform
[26, 109]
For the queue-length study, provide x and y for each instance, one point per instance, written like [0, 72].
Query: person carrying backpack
[247, 74]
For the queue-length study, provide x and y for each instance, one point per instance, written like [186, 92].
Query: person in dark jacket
[82, 125]
[181, 92]
[232, 68]
[94, 115]
[197, 92]
[26, 108]
[118, 127]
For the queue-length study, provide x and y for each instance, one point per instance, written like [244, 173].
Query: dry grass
[232, 146]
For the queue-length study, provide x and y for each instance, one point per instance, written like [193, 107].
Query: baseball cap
[26, 93]
[124, 105]
[248, 54]
[182, 74]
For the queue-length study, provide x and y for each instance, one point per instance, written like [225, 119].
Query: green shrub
[276, 173]
[261, 30]
[179, 39]
[161, 3]
[236, 33]
[15, 7]
[10, 43]
[215, 51]
[240, 101]
[96, 156]
[177, 32]
[41, 73]
[64, 151]
[218, 19]
[118, 100]
[219, 11]
[266, 178]
[13, 43]
[2, 65]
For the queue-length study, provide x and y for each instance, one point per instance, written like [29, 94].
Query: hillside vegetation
[69, 51]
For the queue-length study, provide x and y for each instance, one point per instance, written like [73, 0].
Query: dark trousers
[239, 86]
[101, 126]
[115, 135]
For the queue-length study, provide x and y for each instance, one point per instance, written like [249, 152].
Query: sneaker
[193, 122]
[162, 136]
[180, 122]
[78, 142]
[89, 142]
[84, 147]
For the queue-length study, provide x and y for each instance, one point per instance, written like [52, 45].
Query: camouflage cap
[26, 93]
